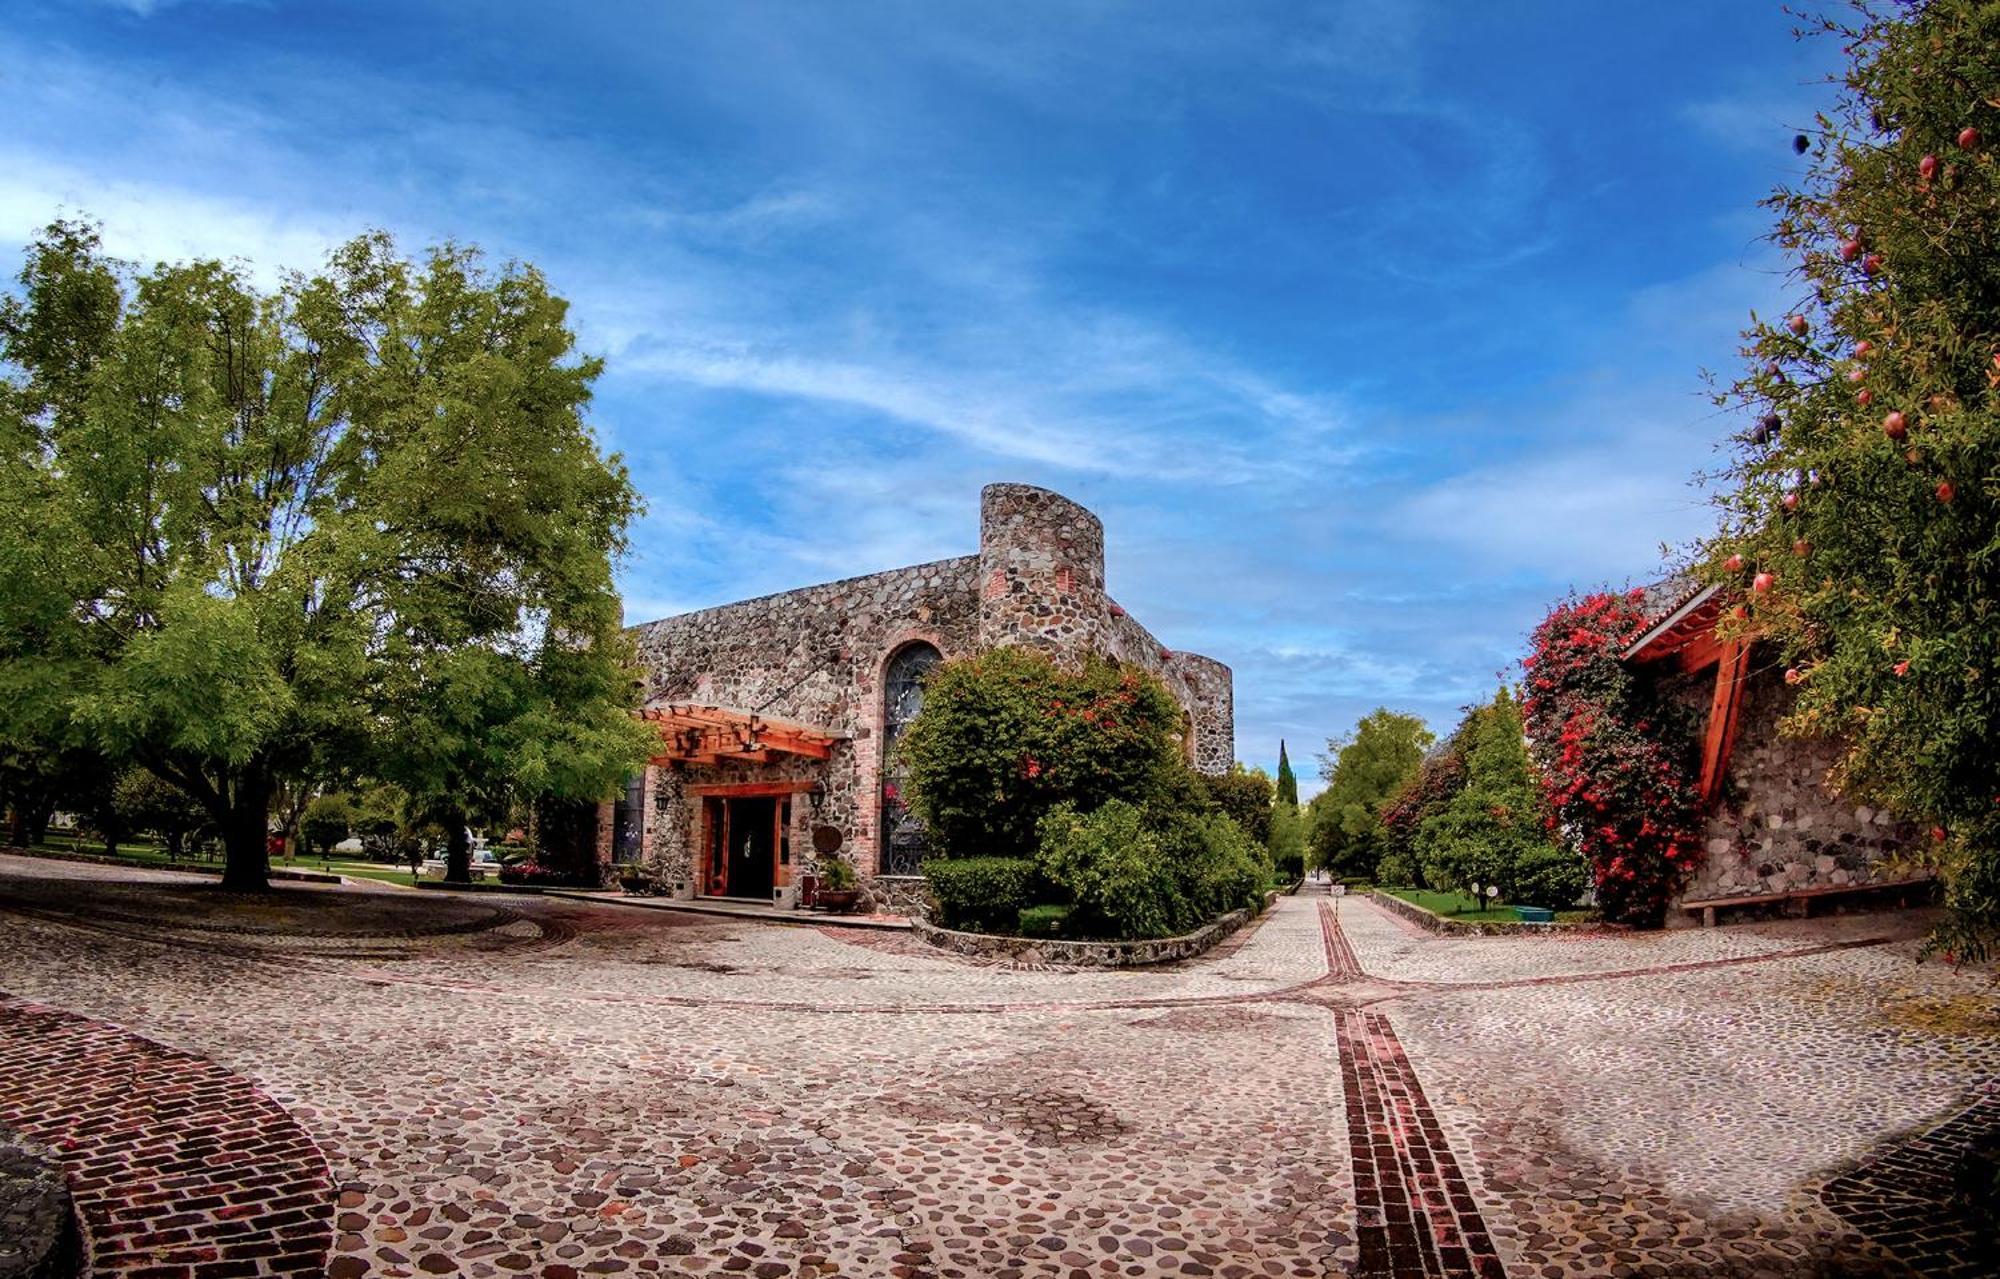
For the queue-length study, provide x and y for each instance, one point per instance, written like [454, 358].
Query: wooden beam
[796, 744]
[747, 790]
[1823, 890]
[723, 759]
[1700, 652]
[1725, 715]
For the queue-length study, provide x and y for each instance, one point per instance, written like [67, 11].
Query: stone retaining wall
[38, 1234]
[1082, 954]
[1444, 925]
[1779, 828]
[906, 895]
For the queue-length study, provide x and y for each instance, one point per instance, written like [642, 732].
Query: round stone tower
[1041, 570]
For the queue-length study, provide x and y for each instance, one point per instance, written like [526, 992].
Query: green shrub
[1482, 836]
[980, 894]
[328, 820]
[1136, 873]
[1549, 876]
[1043, 921]
[1007, 735]
[1287, 842]
[1245, 795]
[1221, 868]
[1111, 866]
[1399, 869]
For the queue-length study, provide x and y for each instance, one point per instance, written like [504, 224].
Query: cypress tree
[1288, 783]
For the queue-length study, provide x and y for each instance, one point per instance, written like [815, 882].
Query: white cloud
[1588, 514]
[147, 222]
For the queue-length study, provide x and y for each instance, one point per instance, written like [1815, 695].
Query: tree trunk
[246, 866]
[17, 828]
[458, 851]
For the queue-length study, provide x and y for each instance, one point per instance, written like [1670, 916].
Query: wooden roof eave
[1660, 631]
[705, 734]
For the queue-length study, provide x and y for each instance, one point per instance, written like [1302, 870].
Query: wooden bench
[1708, 905]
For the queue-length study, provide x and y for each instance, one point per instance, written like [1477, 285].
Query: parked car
[484, 863]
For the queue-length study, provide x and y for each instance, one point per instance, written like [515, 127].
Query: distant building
[778, 716]
[1775, 835]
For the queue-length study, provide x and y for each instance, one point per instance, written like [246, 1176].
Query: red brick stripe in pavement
[1414, 1210]
[179, 1167]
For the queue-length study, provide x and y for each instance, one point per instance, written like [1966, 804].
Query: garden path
[535, 1087]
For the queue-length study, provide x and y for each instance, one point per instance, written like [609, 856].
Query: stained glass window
[904, 840]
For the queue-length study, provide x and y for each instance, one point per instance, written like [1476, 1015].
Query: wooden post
[1725, 714]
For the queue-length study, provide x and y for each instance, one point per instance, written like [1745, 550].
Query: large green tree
[1363, 772]
[249, 534]
[1491, 833]
[1862, 504]
[1244, 794]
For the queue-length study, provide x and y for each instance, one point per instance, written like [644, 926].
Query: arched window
[905, 843]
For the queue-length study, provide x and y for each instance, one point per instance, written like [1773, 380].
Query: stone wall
[1033, 951]
[817, 656]
[814, 656]
[1777, 828]
[1041, 566]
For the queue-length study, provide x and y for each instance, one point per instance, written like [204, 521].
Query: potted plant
[839, 886]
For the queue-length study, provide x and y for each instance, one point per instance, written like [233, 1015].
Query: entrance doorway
[751, 844]
[746, 846]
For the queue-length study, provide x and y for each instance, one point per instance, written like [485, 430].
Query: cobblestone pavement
[563, 1088]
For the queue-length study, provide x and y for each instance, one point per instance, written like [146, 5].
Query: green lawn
[1456, 905]
[146, 854]
[381, 871]
[1460, 906]
[153, 855]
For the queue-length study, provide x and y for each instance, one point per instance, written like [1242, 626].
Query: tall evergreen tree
[1862, 504]
[1288, 782]
[1491, 833]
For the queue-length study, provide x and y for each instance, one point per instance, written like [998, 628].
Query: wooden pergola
[1686, 637]
[698, 734]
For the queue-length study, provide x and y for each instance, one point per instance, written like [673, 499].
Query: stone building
[1776, 834]
[779, 715]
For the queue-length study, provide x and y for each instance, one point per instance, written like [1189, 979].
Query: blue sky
[1369, 328]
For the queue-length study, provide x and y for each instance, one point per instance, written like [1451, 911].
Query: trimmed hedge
[980, 894]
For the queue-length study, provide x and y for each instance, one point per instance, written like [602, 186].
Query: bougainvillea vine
[1617, 764]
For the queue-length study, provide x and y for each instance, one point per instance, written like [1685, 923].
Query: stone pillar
[605, 844]
[1211, 689]
[1041, 570]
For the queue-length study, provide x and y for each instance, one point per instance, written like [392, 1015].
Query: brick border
[179, 1168]
[1414, 1210]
